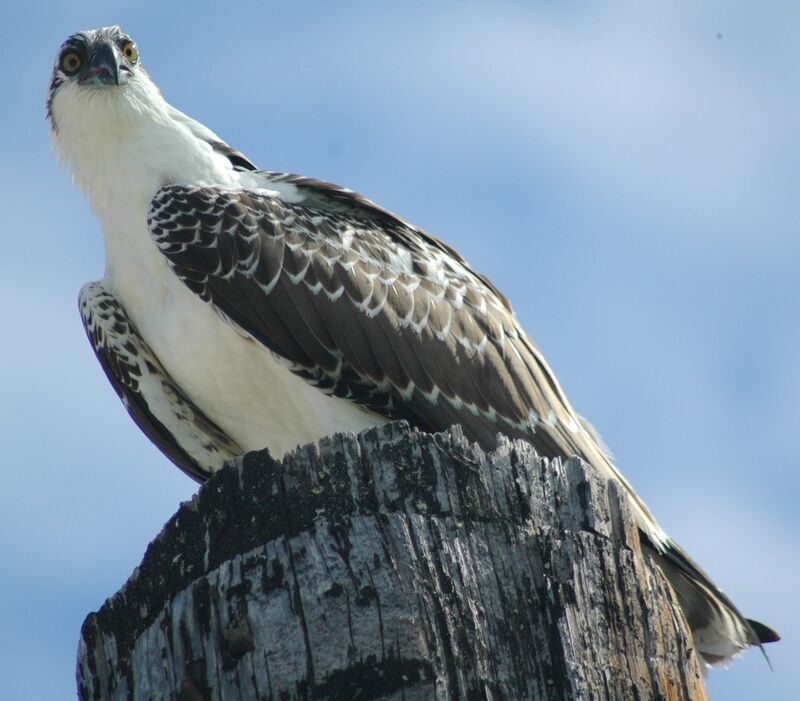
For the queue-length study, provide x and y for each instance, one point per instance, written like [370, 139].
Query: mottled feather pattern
[442, 345]
[152, 399]
[105, 322]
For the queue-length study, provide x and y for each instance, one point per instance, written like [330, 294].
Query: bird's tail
[718, 629]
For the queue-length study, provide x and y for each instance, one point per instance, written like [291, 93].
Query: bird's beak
[104, 67]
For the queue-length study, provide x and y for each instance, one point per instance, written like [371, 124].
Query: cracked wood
[395, 564]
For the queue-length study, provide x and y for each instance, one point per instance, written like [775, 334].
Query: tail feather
[719, 631]
[765, 633]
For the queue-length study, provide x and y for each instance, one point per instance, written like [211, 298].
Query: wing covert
[366, 308]
[155, 403]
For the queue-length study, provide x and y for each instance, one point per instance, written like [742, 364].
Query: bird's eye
[71, 62]
[129, 51]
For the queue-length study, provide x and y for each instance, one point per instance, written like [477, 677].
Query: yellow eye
[129, 51]
[71, 62]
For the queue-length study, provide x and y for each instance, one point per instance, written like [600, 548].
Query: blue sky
[626, 173]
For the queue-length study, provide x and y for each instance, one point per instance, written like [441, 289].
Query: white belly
[233, 379]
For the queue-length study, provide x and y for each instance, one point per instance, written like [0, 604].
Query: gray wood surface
[394, 565]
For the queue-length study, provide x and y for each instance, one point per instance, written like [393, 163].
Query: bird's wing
[327, 197]
[365, 307]
[371, 309]
[161, 410]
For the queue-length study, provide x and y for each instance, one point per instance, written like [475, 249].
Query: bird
[244, 308]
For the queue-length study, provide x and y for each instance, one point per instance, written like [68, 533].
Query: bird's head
[97, 81]
[100, 96]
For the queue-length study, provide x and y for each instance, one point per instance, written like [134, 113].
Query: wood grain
[394, 565]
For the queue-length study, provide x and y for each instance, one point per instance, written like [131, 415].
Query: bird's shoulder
[315, 209]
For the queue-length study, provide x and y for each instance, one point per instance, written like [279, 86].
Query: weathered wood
[394, 565]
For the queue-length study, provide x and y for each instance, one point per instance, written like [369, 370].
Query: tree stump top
[394, 564]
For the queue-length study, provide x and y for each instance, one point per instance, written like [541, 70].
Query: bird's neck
[121, 147]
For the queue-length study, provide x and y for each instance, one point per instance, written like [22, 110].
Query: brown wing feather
[331, 197]
[155, 403]
[367, 308]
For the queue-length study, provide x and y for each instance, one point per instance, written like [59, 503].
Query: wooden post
[394, 565]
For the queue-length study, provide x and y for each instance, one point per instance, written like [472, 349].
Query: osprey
[244, 308]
